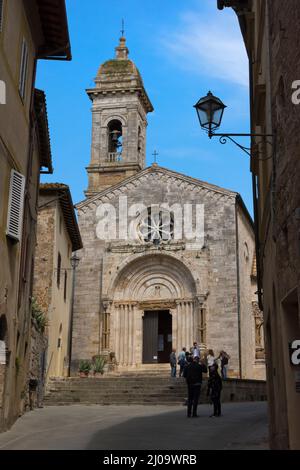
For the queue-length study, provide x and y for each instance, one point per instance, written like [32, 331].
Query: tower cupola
[119, 122]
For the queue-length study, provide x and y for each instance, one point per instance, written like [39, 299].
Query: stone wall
[284, 29]
[36, 376]
[44, 258]
[252, 365]
[270, 32]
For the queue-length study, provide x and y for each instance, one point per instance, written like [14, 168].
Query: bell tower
[119, 122]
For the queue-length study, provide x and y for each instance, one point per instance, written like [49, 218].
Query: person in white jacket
[210, 359]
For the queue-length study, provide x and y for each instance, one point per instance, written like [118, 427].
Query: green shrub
[85, 366]
[39, 316]
[98, 364]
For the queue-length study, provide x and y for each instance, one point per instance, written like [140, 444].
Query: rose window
[156, 225]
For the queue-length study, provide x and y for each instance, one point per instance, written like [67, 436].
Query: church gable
[161, 207]
[157, 178]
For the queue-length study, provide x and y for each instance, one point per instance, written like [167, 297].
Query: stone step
[142, 390]
[129, 379]
[116, 396]
[114, 386]
[116, 399]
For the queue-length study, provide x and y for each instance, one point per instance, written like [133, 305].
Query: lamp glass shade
[210, 111]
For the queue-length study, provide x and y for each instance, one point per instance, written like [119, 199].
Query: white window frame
[23, 69]
[15, 205]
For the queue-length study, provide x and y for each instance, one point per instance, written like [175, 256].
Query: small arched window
[140, 140]
[115, 142]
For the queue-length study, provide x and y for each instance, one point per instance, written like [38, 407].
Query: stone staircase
[144, 388]
[123, 390]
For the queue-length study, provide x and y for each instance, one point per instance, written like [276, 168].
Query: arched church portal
[153, 308]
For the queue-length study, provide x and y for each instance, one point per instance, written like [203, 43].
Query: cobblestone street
[242, 426]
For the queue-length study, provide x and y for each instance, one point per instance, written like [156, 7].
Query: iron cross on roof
[155, 154]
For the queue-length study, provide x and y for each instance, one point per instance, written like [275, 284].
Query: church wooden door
[150, 334]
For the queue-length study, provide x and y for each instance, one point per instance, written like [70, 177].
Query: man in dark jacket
[193, 375]
[214, 388]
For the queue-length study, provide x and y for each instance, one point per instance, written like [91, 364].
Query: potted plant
[98, 366]
[84, 368]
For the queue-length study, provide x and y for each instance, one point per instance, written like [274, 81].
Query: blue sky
[182, 49]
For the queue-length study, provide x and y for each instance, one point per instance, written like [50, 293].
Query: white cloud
[209, 45]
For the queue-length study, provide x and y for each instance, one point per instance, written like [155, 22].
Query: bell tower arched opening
[115, 140]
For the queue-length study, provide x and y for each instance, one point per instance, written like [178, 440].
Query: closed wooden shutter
[15, 205]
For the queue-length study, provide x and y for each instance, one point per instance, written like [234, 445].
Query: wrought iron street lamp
[210, 110]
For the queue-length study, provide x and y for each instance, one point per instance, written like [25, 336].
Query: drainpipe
[238, 289]
[255, 205]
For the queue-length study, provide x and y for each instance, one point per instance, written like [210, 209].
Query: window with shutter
[23, 69]
[15, 205]
[1, 15]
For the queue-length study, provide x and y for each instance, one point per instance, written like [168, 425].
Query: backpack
[224, 361]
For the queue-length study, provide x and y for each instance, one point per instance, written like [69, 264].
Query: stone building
[270, 29]
[28, 31]
[167, 259]
[57, 238]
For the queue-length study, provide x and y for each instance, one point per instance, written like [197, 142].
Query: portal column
[186, 324]
[116, 332]
[126, 334]
[175, 344]
[192, 332]
[122, 333]
[139, 335]
[200, 320]
[133, 335]
[106, 327]
[179, 325]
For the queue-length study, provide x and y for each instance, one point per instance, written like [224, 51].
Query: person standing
[195, 350]
[210, 359]
[224, 364]
[193, 374]
[173, 362]
[182, 361]
[214, 388]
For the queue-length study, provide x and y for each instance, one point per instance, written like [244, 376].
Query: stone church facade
[167, 259]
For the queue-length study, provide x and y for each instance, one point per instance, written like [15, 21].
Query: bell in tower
[119, 120]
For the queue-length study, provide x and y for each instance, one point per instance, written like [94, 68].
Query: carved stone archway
[159, 282]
